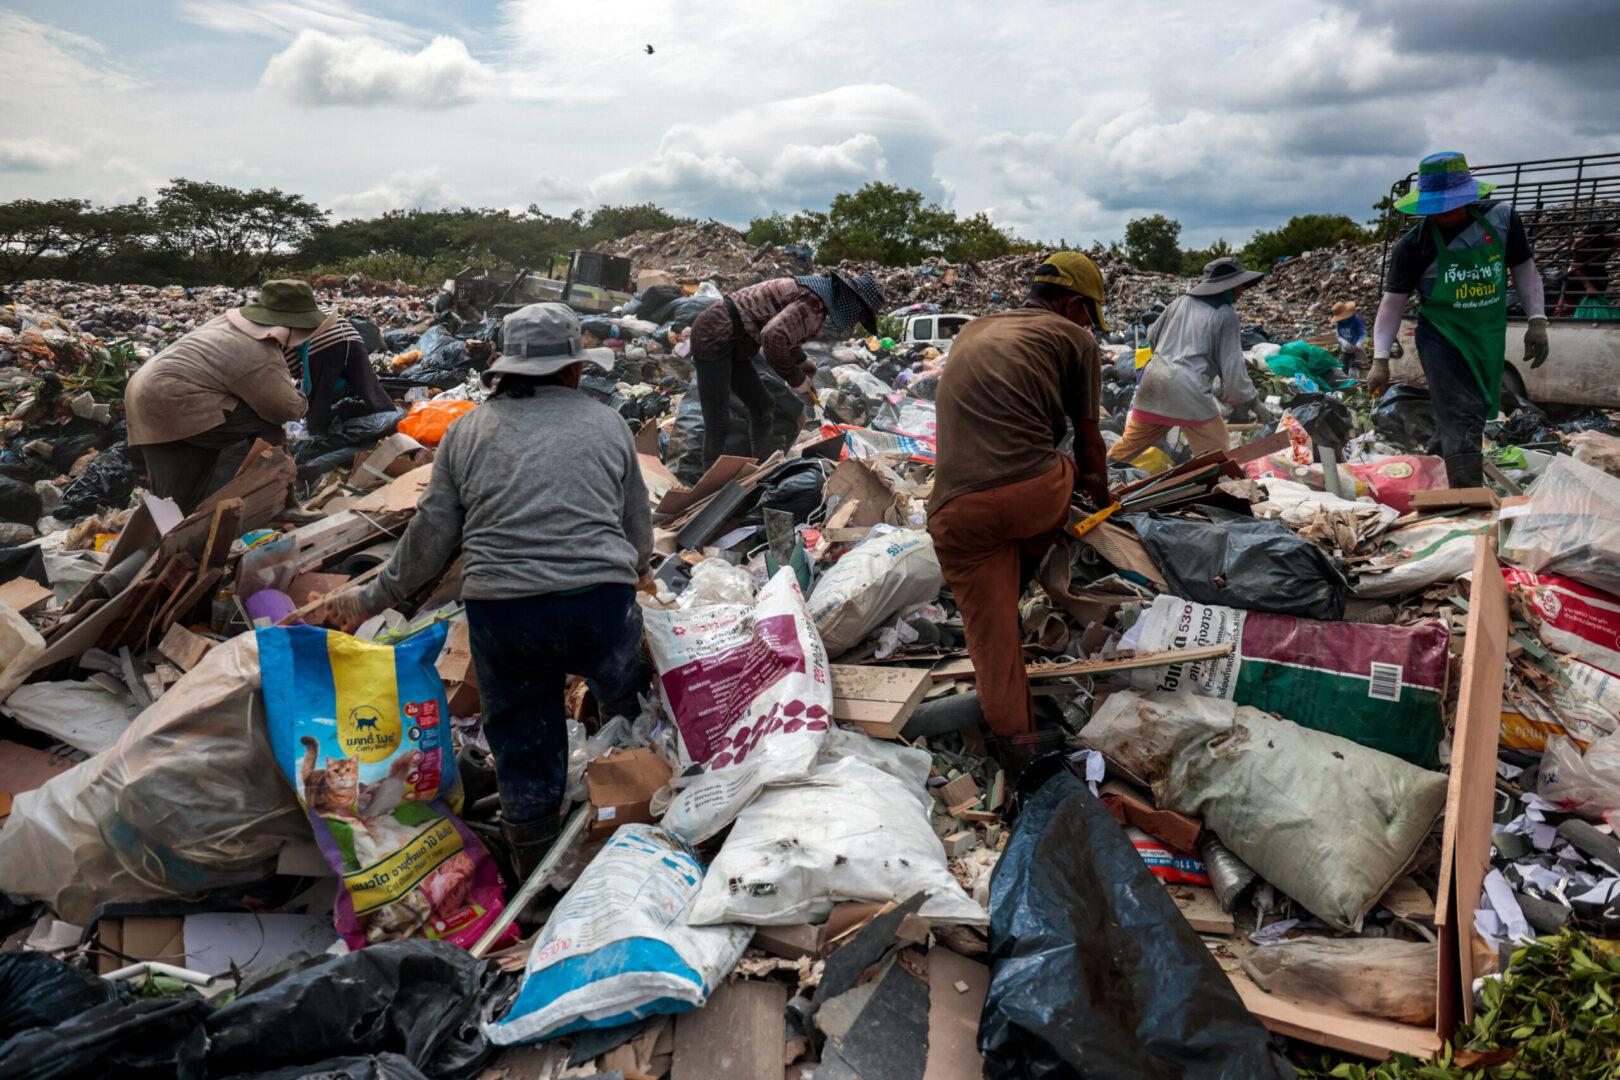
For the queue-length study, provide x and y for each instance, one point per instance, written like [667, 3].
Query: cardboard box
[622, 784]
[142, 937]
[459, 673]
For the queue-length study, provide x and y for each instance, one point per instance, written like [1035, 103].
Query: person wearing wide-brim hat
[1351, 331]
[217, 389]
[776, 317]
[541, 490]
[1456, 259]
[1196, 342]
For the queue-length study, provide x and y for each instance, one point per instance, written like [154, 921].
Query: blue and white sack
[617, 948]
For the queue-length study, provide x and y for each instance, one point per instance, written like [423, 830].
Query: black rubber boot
[530, 843]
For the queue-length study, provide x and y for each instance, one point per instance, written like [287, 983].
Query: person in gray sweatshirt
[541, 489]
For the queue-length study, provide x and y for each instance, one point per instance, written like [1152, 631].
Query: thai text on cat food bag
[362, 733]
[751, 696]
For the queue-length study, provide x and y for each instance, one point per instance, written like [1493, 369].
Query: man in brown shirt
[1002, 490]
[223, 384]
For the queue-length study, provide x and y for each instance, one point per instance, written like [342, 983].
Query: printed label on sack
[1385, 682]
[710, 692]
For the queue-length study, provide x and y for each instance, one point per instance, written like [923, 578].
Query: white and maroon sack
[751, 696]
[1569, 616]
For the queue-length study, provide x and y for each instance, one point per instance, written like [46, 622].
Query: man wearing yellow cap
[1013, 383]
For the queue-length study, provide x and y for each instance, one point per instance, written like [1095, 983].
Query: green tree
[877, 222]
[66, 236]
[807, 226]
[231, 235]
[1154, 243]
[614, 222]
[1194, 260]
[1304, 232]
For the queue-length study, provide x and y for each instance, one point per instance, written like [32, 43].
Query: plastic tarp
[1094, 972]
[1327, 821]
[1570, 526]
[1237, 561]
[188, 799]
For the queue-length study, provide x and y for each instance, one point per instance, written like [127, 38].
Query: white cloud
[408, 189]
[33, 155]
[282, 19]
[320, 69]
[787, 154]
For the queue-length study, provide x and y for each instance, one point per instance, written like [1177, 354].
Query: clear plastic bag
[1570, 526]
[1589, 784]
[715, 581]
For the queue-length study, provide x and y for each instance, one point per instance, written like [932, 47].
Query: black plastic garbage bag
[107, 481]
[607, 392]
[37, 990]
[1405, 416]
[794, 487]
[419, 999]
[366, 429]
[1524, 427]
[1243, 562]
[1325, 418]
[350, 1067]
[19, 502]
[398, 341]
[152, 1039]
[684, 312]
[370, 333]
[657, 302]
[1093, 970]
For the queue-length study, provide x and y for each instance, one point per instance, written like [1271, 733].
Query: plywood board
[738, 1035]
[1341, 1030]
[1465, 844]
[1198, 905]
[879, 701]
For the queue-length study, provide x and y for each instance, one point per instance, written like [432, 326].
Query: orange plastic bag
[429, 420]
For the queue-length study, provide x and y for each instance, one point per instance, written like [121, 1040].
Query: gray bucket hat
[1223, 274]
[542, 339]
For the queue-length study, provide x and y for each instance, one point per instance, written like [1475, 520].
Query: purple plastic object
[270, 604]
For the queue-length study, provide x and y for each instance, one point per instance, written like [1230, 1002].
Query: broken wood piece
[1453, 498]
[963, 669]
[788, 942]
[879, 701]
[957, 988]
[1198, 905]
[24, 595]
[960, 791]
[960, 843]
[223, 529]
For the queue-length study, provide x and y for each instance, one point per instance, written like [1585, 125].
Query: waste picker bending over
[778, 316]
[541, 489]
[1195, 341]
[1455, 258]
[1002, 489]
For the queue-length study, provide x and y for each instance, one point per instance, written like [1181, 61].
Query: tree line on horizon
[197, 232]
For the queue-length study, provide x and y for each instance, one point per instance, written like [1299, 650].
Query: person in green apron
[1457, 259]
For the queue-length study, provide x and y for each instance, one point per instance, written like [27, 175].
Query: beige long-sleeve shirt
[189, 387]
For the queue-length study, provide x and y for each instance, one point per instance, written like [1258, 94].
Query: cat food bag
[362, 732]
[751, 695]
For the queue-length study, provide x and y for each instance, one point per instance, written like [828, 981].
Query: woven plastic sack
[751, 695]
[1330, 823]
[878, 578]
[429, 420]
[618, 948]
[1570, 525]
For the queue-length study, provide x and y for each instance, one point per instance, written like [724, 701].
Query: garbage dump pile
[1318, 745]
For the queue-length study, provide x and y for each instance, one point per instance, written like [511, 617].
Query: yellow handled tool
[1093, 521]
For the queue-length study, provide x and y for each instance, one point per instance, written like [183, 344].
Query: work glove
[1378, 377]
[1535, 342]
[343, 610]
[805, 389]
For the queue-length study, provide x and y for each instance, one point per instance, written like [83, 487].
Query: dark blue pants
[1459, 407]
[525, 649]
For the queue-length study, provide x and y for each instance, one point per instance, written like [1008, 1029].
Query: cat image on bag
[383, 796]
[333, 789]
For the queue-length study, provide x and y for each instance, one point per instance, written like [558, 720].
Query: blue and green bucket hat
[1444, 183]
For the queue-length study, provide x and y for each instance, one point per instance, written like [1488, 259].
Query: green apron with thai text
[1469, 306]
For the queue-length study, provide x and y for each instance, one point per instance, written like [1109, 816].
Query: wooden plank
[953, 1016]
[1451, 498]
[1340, 1030]
[1465, 841]
[877, 700]
[738, 1035]
[264, 490]
[223, 529]
[1258, 448]
[24, 595]
[72, 639]
[1202, 911]
[963, 669]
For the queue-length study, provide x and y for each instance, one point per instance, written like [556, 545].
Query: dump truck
[1571, 210]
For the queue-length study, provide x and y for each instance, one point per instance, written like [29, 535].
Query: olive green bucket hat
[285, 302]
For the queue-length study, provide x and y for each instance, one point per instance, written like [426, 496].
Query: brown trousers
[990, 543]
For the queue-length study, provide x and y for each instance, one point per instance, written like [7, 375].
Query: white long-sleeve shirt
[1194, 343]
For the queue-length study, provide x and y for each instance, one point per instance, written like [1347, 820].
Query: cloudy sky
[1060, 118]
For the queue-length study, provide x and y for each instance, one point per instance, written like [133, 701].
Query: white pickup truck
[936, 330]
[1571, 211]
